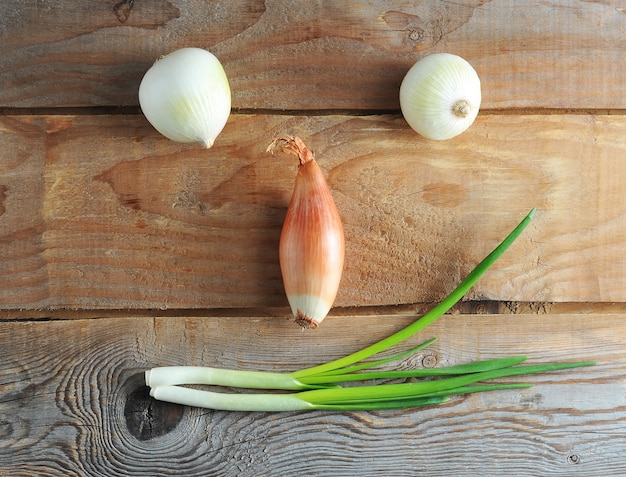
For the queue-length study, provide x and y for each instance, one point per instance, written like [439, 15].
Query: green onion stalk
[319, 387]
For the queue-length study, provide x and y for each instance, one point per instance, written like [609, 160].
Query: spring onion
[319, 387]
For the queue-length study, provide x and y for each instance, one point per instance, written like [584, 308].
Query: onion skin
[312, 244]
[185, 95]
[440, 96]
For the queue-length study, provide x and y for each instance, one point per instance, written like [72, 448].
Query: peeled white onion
[440, 96]
[186, 97]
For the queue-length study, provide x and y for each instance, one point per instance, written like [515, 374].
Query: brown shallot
[312, 244]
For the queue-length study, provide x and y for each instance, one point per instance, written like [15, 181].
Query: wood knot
[3, 196]
[147, 418]
[122, 10]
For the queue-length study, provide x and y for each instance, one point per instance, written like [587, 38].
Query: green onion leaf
[427, 318]
[385, 392]
[372, 364]
[476, 367]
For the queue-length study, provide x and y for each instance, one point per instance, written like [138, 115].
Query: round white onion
[186, 97]
[440, 96]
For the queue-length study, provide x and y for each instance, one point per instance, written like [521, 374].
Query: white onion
[440, 96]
[186, 97]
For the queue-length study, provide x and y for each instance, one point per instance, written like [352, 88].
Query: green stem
[476, 367]
[387, 392]
[386, 396]
[429, 317]
[380, 405]
[480, 388]
[372, 364]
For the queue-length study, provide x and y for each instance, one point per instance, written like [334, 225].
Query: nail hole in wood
[573, 459]
[429, 361]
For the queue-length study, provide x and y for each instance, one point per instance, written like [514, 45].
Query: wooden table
[121, 250]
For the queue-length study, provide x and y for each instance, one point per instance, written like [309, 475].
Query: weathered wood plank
[315, 55]
[102, 212]
[72, 400]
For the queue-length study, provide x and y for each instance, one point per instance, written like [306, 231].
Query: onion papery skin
[440, 96]
[312, 245]
[185, 95]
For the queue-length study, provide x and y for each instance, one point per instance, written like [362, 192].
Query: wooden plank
[315, 55]
[72, 400]
[101, 212]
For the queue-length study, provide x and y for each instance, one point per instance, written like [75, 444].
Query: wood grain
[121, 250]
[100, 212]
[303, 55]
[72, 400]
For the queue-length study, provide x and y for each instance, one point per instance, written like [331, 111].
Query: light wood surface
[315, 55]
[81, 408]
[121, 250]
[101, 212]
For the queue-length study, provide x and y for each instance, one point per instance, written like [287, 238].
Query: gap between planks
[135, 110]
[414, 309]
